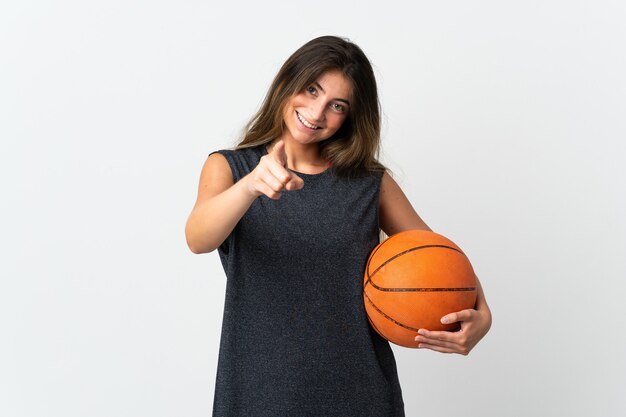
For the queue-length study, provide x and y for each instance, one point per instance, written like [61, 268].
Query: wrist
[246, 187]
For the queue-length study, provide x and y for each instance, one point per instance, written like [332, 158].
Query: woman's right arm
[221, 202]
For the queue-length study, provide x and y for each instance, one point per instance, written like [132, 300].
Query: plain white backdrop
[504, 123]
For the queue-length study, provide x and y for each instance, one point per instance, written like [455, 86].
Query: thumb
[278, 153]
[456, 317]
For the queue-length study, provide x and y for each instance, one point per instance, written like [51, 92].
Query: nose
[317, 110]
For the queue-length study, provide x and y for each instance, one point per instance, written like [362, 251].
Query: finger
[278, 171]
[278, 153]
[265, 176]
[295, 183]
[458, 316]
[438, 348]
[268, 191]
[437, 342]
[439, 335]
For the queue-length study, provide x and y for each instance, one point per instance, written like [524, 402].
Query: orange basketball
[412, 280]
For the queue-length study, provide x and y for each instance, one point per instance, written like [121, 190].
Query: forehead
[335, 84]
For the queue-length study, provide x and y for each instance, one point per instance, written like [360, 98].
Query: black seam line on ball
[370, 276]
[390, 318]
[460, 289]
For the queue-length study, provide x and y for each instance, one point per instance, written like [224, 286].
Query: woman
[294, 212]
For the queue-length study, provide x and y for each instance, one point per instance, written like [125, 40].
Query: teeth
[305, 122]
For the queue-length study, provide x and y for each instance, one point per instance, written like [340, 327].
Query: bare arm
[221, 202]
[396, 214]
[219, 206]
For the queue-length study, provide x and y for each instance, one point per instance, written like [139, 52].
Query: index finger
[278, 153]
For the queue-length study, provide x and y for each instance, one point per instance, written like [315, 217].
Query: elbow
[198, 249]
[196, 245]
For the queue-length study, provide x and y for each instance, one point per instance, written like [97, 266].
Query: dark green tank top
[295, 338]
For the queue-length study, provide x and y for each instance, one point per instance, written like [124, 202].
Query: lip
[302, 125]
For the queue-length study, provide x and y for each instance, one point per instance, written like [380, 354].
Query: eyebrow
[338, 99]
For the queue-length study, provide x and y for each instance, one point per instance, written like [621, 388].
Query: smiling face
[318, 111]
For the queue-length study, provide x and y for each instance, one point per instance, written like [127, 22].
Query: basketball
[413, 279]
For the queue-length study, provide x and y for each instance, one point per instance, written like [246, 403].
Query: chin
[309, 140]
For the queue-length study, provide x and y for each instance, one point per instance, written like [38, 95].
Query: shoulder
[396, 213]
[216, 175]
[223, 168]
[388, 186]
[217, 164]
[242, 160]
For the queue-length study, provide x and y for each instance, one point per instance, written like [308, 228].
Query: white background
[504, 123]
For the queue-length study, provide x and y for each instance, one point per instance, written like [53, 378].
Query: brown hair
[354, 148]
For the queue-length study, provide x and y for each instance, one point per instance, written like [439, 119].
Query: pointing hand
[271, 177]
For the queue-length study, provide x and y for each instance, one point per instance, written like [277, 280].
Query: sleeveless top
[296, 341]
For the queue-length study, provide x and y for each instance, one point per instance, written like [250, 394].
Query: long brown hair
[353, 150]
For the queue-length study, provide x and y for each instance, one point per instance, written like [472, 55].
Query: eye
[311, 89]
[338, 107]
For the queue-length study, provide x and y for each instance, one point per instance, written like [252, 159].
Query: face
[318, 111]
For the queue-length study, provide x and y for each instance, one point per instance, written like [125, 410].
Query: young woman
[294, 212]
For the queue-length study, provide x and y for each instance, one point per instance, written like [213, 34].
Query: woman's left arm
[395, 215]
